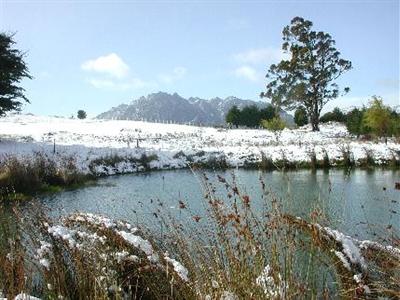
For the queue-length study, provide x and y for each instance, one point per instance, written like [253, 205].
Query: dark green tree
[250, 116]
[267, 113]
[233, 116]
[308, 78]
[336, 115]
[81, 114]
[354, 122]
[12, 70]
[300, 116]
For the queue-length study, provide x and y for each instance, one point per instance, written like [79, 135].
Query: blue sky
[93, 55]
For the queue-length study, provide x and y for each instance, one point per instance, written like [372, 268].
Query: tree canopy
[307, 78]
[12, 70]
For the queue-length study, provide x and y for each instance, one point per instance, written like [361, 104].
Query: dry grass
[29, 175]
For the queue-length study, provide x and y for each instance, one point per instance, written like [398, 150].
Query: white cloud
[115, 85]
[247, 72]
[176, 74]
[110, 64]
[261, 55]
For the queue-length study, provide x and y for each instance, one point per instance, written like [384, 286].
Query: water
[360, 203]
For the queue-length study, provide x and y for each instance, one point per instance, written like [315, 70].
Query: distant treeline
[375, 119]
[249, 116]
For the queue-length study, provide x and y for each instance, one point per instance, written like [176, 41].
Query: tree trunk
[314, 122]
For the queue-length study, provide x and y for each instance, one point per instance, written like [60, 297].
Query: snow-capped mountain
[172, 107]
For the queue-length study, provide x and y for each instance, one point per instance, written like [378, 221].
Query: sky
[94, 55]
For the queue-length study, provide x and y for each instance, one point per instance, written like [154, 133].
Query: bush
[276, 125]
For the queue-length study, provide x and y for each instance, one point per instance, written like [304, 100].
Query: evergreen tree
[12, 70]
[81, 114]
[233, 116]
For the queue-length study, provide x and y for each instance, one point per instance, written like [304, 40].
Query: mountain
[166, 107]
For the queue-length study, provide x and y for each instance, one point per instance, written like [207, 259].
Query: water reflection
[361, 203]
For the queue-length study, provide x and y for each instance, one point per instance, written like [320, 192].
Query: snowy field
[174, 145]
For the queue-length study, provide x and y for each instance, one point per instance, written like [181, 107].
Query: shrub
[276, 125]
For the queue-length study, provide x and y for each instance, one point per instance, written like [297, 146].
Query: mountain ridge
[167, 107]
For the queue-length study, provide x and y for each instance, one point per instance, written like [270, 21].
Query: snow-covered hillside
[175, 145]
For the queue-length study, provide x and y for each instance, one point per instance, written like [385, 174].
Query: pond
[360, 203]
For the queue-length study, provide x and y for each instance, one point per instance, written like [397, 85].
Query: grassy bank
[24, 177]
[232, 252]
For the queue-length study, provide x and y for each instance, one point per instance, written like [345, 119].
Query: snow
[22, 296]
[227, 295]
[140, 243]
[178, 267]
[343, 259]
[350, 250]
[374, 245]
[87, 140]
[64, 233]
[267, 283]
[124, 255]
[45, 249]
